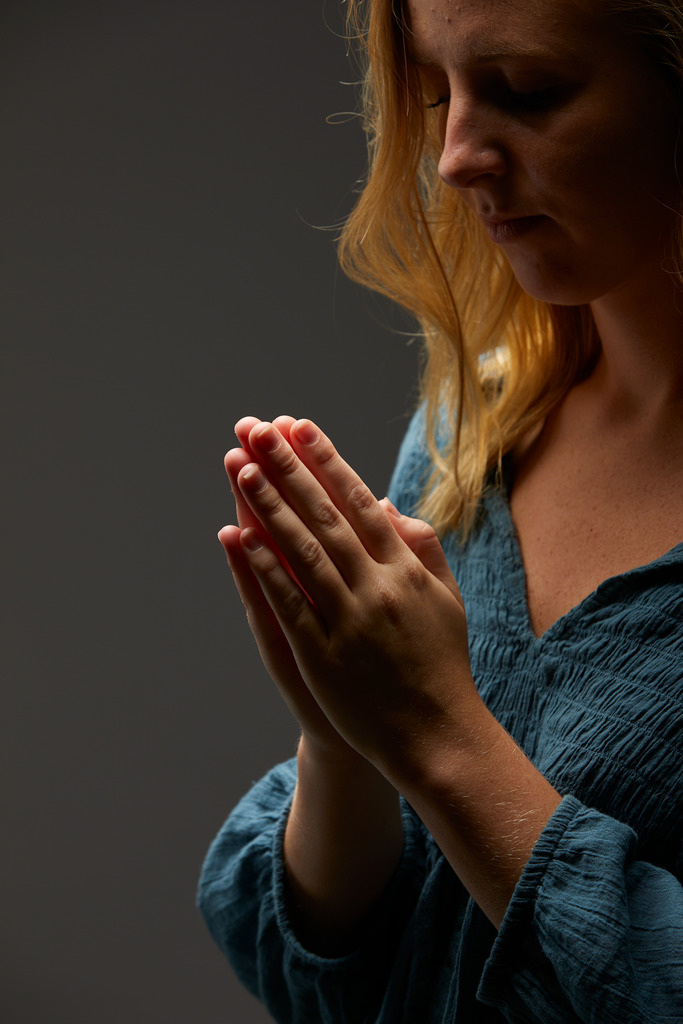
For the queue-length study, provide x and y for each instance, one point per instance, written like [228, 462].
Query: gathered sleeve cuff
[592, 934]
[242, 896]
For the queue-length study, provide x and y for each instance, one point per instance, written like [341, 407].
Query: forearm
[483, 801]
[379, 635]
[343, 842]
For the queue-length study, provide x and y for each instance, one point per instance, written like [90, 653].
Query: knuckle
[360, 497]
[413, 575]
[393, 596]
[310, 553]
[326, 515]
[389, 602]
[268, 501]
[427, 533]
[287, 459]
[325, 452]
[293, 606]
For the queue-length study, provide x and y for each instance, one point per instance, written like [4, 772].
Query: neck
[641, 364]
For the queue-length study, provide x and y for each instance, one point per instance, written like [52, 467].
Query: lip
[510, 229]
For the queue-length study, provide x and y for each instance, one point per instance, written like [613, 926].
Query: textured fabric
[594, 932]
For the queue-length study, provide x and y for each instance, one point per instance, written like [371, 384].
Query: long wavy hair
[496, 361]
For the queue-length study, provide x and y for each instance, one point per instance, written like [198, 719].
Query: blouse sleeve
[592, 933]
[242, 897]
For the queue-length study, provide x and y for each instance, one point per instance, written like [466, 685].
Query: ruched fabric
[594, 932]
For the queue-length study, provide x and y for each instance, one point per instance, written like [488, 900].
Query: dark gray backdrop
[163, 162]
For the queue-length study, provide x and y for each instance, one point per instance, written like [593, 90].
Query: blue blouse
[594, 932]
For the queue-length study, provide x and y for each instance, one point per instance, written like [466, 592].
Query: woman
[484, 821]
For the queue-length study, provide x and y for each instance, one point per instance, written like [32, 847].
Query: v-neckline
[515, 582]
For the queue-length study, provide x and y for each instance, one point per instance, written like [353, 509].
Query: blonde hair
[496, 360]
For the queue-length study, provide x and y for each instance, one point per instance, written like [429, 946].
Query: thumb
[422, 540]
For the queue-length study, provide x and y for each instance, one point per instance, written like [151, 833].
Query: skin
[376, 625]
[571, 122]
[556, 116]
[355, 611]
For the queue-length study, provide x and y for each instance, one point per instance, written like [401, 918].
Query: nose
[472, 151]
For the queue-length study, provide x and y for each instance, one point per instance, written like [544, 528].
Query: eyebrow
[491, 55]
[515, 52]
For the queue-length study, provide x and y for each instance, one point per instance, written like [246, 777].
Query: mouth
[510, 229]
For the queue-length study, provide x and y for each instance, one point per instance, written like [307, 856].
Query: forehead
[437, 29]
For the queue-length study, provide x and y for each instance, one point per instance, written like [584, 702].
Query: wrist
[343, 797]
[338, 765]
[343, 841]
[484, 803]
[444, 740]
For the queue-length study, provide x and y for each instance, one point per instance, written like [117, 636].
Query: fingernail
[306, 432]
[268, 438]
[391, 508]
[251, 540]
[254, 477]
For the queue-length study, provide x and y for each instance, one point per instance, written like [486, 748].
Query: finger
[301, 550]
[316, 533]
[258, 610]
[390, 508]
[262, 620]
[244, 426]
[273, 645]
[297, 617]
[347, 490]
[234, 461]
[425, 545]
[242, 429]
[284, 424]
[311, 474]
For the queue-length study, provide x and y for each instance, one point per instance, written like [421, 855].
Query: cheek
[618, 174]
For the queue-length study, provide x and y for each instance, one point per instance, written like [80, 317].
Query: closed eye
[441, 100]
[534, 101]
[520, 101]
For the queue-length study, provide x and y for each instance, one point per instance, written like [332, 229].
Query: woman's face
[557, 131]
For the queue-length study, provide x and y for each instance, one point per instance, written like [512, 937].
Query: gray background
[163, 165]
